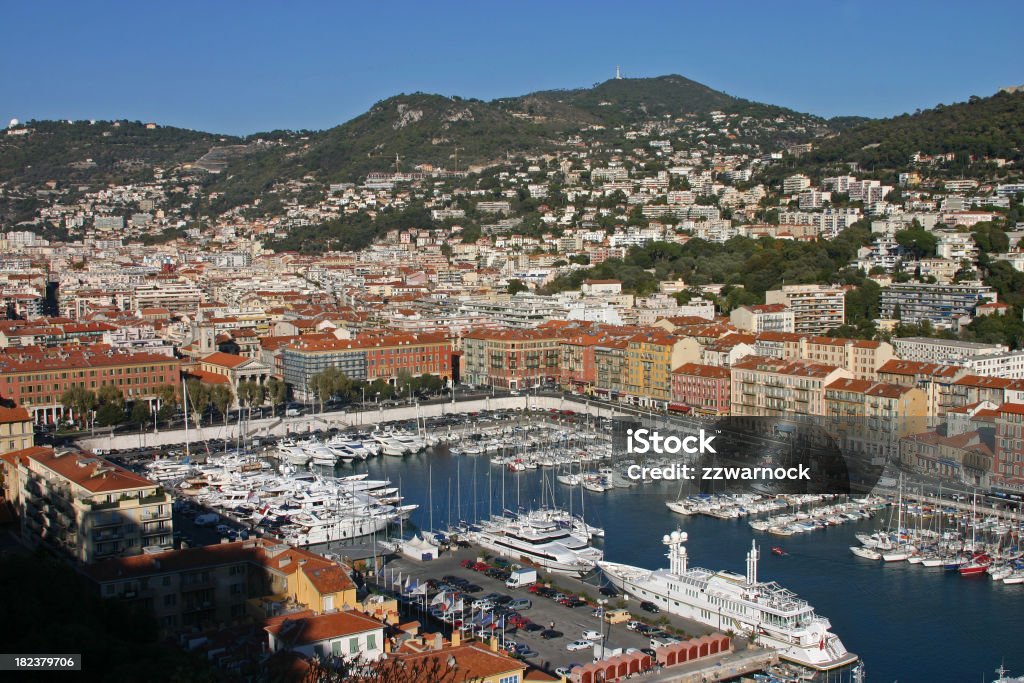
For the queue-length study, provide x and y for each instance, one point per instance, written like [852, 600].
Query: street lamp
[601, 602]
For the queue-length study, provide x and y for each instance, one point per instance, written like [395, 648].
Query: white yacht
[396, 443]
[543, 542]
[727, 601]
[310, 529]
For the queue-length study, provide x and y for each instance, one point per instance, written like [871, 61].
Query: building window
[353, 646]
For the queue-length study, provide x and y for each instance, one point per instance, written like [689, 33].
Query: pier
[572, 622]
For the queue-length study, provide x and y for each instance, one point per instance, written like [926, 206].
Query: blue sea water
[907, 622]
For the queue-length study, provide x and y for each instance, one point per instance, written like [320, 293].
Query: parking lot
[545, 614]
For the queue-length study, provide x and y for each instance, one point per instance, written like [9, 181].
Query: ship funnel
[676, 552]
[752, 557]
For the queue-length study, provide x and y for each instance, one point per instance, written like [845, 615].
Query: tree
[80, 401]
[221, 397]
[141, 414]
[168, 397]
[277, 392]
[198, 396]
[382, 388]
[990, 239]
[431, 384]
[330, 383]
[918, 241]
[515, 286]
[251, 393]
[110, 405]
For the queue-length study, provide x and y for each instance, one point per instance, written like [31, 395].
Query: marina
[453, 488]
[854, 595]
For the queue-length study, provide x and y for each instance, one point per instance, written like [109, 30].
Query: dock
[572, 622]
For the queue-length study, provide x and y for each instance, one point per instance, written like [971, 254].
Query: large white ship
[726, 601]
[543, 542]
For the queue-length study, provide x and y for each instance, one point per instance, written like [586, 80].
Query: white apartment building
[1006, 365]
[944, 351]
[763, 318]
[816, 308]
[795, 183]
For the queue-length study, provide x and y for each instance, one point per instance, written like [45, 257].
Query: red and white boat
[978, 565]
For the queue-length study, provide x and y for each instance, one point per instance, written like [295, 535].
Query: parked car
[551, 634]
[650, 607]
[592, 635]
[579, 645]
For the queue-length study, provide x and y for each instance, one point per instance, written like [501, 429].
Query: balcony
[191, 608]
[106, 521]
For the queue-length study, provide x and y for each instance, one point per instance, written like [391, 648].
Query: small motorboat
[778, 550]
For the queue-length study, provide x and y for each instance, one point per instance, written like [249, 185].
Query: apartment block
[578, 364]
[862, 357]
[936, 380]
[869, 418]
[772, 387]
[1007, 365]
[650, 357]
[1008, 460]
[704, 389]
[335, 634]
[511, 358]
[85, 507]
[949, 351]
[816, 308]
[16, 430]
[941, 304]
[610, 364]
[222, 583]
[965, 457]
[795, 183]
[369, 356]
[764, 318]
[37, 377]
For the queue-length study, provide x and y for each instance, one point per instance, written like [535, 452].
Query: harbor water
[907, 622]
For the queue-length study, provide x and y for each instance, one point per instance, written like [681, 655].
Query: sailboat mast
[184, 400]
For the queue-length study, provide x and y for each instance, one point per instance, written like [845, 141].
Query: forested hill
[981, 127]
[85, 151]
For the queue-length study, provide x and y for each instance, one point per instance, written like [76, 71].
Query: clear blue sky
[243, 67]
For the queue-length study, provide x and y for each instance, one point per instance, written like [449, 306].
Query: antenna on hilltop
[618, 73]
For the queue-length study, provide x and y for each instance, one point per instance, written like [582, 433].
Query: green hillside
[983, 127]
[82, 151]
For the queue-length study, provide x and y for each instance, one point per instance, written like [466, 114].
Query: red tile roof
[699, 370]
[15, 414]
[225, 360]
[88, 471]
[304, 628]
